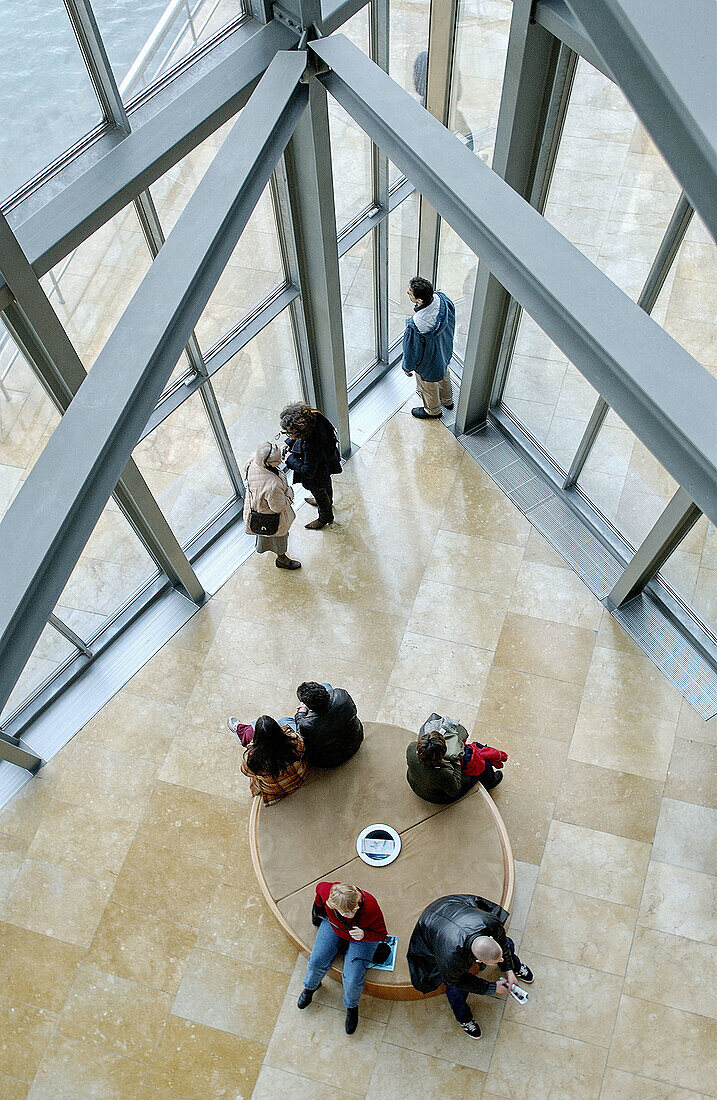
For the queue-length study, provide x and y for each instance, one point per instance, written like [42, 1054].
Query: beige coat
[268, 491]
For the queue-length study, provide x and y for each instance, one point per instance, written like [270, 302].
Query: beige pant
[435, 394]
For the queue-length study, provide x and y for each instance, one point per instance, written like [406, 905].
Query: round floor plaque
[378, 845]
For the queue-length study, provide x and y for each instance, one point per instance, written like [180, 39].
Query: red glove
[482, 754]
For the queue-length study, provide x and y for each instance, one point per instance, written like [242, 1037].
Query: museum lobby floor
[138, 957]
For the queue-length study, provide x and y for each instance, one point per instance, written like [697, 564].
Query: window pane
[350, 146]
[254, 386]
[408, 39]
[402, 262]
[51, 651]
[94, 284]
[691, 570]
[181, 463]
[356, 270]
[145, 39]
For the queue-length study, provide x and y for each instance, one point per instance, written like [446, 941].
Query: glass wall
[357, 296]
[350, 147]
[402, 263]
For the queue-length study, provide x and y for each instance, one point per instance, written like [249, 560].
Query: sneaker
[472, 1028]
[305, 998]
[351, 1020]
[524, 973]
[233, 723]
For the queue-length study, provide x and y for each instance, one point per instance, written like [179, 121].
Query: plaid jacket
[274, 788]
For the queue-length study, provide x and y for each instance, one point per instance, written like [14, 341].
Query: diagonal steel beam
[664, 57]
[658, 389]
[48, 523]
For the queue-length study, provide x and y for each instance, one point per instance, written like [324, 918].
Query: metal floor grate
[642, 618]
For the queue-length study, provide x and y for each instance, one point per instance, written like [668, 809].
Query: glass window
[50, 652]
[457, 269]
[350, 146]
[691, 571]
[402, 263]
[356, 270]
[47, 102]
[182, 465]
[408, 42]
[145, 39]
[93, 286]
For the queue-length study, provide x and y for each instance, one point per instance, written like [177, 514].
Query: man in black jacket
[328, 723]
[452, 935]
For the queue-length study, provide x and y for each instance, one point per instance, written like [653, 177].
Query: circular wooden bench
[310, 836]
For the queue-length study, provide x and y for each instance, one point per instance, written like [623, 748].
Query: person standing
[268, 500]
[345, 916]
[454, 934]
[428, 347]
[312, 452]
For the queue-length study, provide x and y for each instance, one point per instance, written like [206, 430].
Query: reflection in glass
[51, 651]
[357, 296]
[691, 571]
[402, 262]
[350, 146]
[47, 102]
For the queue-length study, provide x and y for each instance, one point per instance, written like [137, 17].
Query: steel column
[659, 270]
[12, 750]
[629, 359]
[46, 527]
[379, 42]
[311, 200]
[93, 50]
[538, 75]
[677, 519]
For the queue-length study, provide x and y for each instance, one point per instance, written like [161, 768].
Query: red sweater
[369, 916]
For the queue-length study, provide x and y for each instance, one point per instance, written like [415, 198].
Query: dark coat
[439, 951]
[445, 783]
[315, 458]
[333, 737]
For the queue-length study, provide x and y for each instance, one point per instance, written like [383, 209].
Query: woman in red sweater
[344, 913]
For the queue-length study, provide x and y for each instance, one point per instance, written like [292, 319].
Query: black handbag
[262, 523]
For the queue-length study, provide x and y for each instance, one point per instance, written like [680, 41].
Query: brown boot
[284, 562]
[315, 525]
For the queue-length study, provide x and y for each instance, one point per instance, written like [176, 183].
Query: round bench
[310, 837]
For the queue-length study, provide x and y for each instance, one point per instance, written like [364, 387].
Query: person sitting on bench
[328, 724]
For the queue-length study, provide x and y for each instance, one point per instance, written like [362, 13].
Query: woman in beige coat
[268, 491]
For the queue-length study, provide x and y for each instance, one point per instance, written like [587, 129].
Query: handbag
[262, 523]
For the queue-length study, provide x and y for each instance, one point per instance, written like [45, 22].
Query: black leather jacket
[333, 737]
[440, 947]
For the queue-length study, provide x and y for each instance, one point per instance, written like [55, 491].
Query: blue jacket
[429, 353]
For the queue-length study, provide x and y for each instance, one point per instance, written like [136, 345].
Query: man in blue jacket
[428, 347]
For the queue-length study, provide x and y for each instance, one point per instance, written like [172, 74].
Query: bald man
[455, 935]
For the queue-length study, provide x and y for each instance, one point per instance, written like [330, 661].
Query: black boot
[351, 1020]
[305, 998]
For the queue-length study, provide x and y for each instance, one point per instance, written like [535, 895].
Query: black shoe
[448, 405]
[351, 1020]
[498, 778]
[472, 1028]
[421, 414]
[305, 998]
[524, 973]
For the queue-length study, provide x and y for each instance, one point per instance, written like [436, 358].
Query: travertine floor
[138, 958]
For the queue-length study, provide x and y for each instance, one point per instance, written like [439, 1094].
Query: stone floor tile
[444, 669]
[82, 840]
[141, 946]
[535, 764]
[168, 884]
[209, 760]
[400, 707]
[190, 821]
[618, 1085]
[134, 724]
[125, 1016]
[426, 443]
[247, 649]
[12, 1089]
[458, 615]
[429, 1028]
[361, 635]
[419, 488]
[280, 1084]
[528, 1063]
[107, 782]
[23, 813]
[691, 726]
[376, 582]
[314, 1044]
[672, 1046]
[25, 1032]
[527, 820]
[481, 565]
[680, 901]
[242, 926]
[401, 534]
[197, 1062]
[483, 511]
[613, 801]
[171, 674]
[199, 632]
[625, 740]
[542, 648]
[366, 684]
[692, 775]
[555, 594]
[661, 969]
[38, 970]
[530, 704]
[598, 864]
[12, 853]
[569, 1000]
[537, 548]
[686, 835]
[231, 996]
[526, 876]
[71, 1069]
[56, 902]
[627, 681]
[576, 928]
[406, 1075]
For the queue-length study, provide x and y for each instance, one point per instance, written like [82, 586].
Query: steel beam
[555, 16]
[311, 200]
[12, 751]
[334, 13]
[628, 358]
[48, 523]
[677, 519]
[664, 58]
[68, 633]
[538, 75]
[165, 127]
[98, 65]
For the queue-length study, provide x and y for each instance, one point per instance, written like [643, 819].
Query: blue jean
[358, 958]
[292, 721]
[457, 998]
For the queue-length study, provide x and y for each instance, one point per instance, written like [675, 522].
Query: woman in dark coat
[311, 451]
